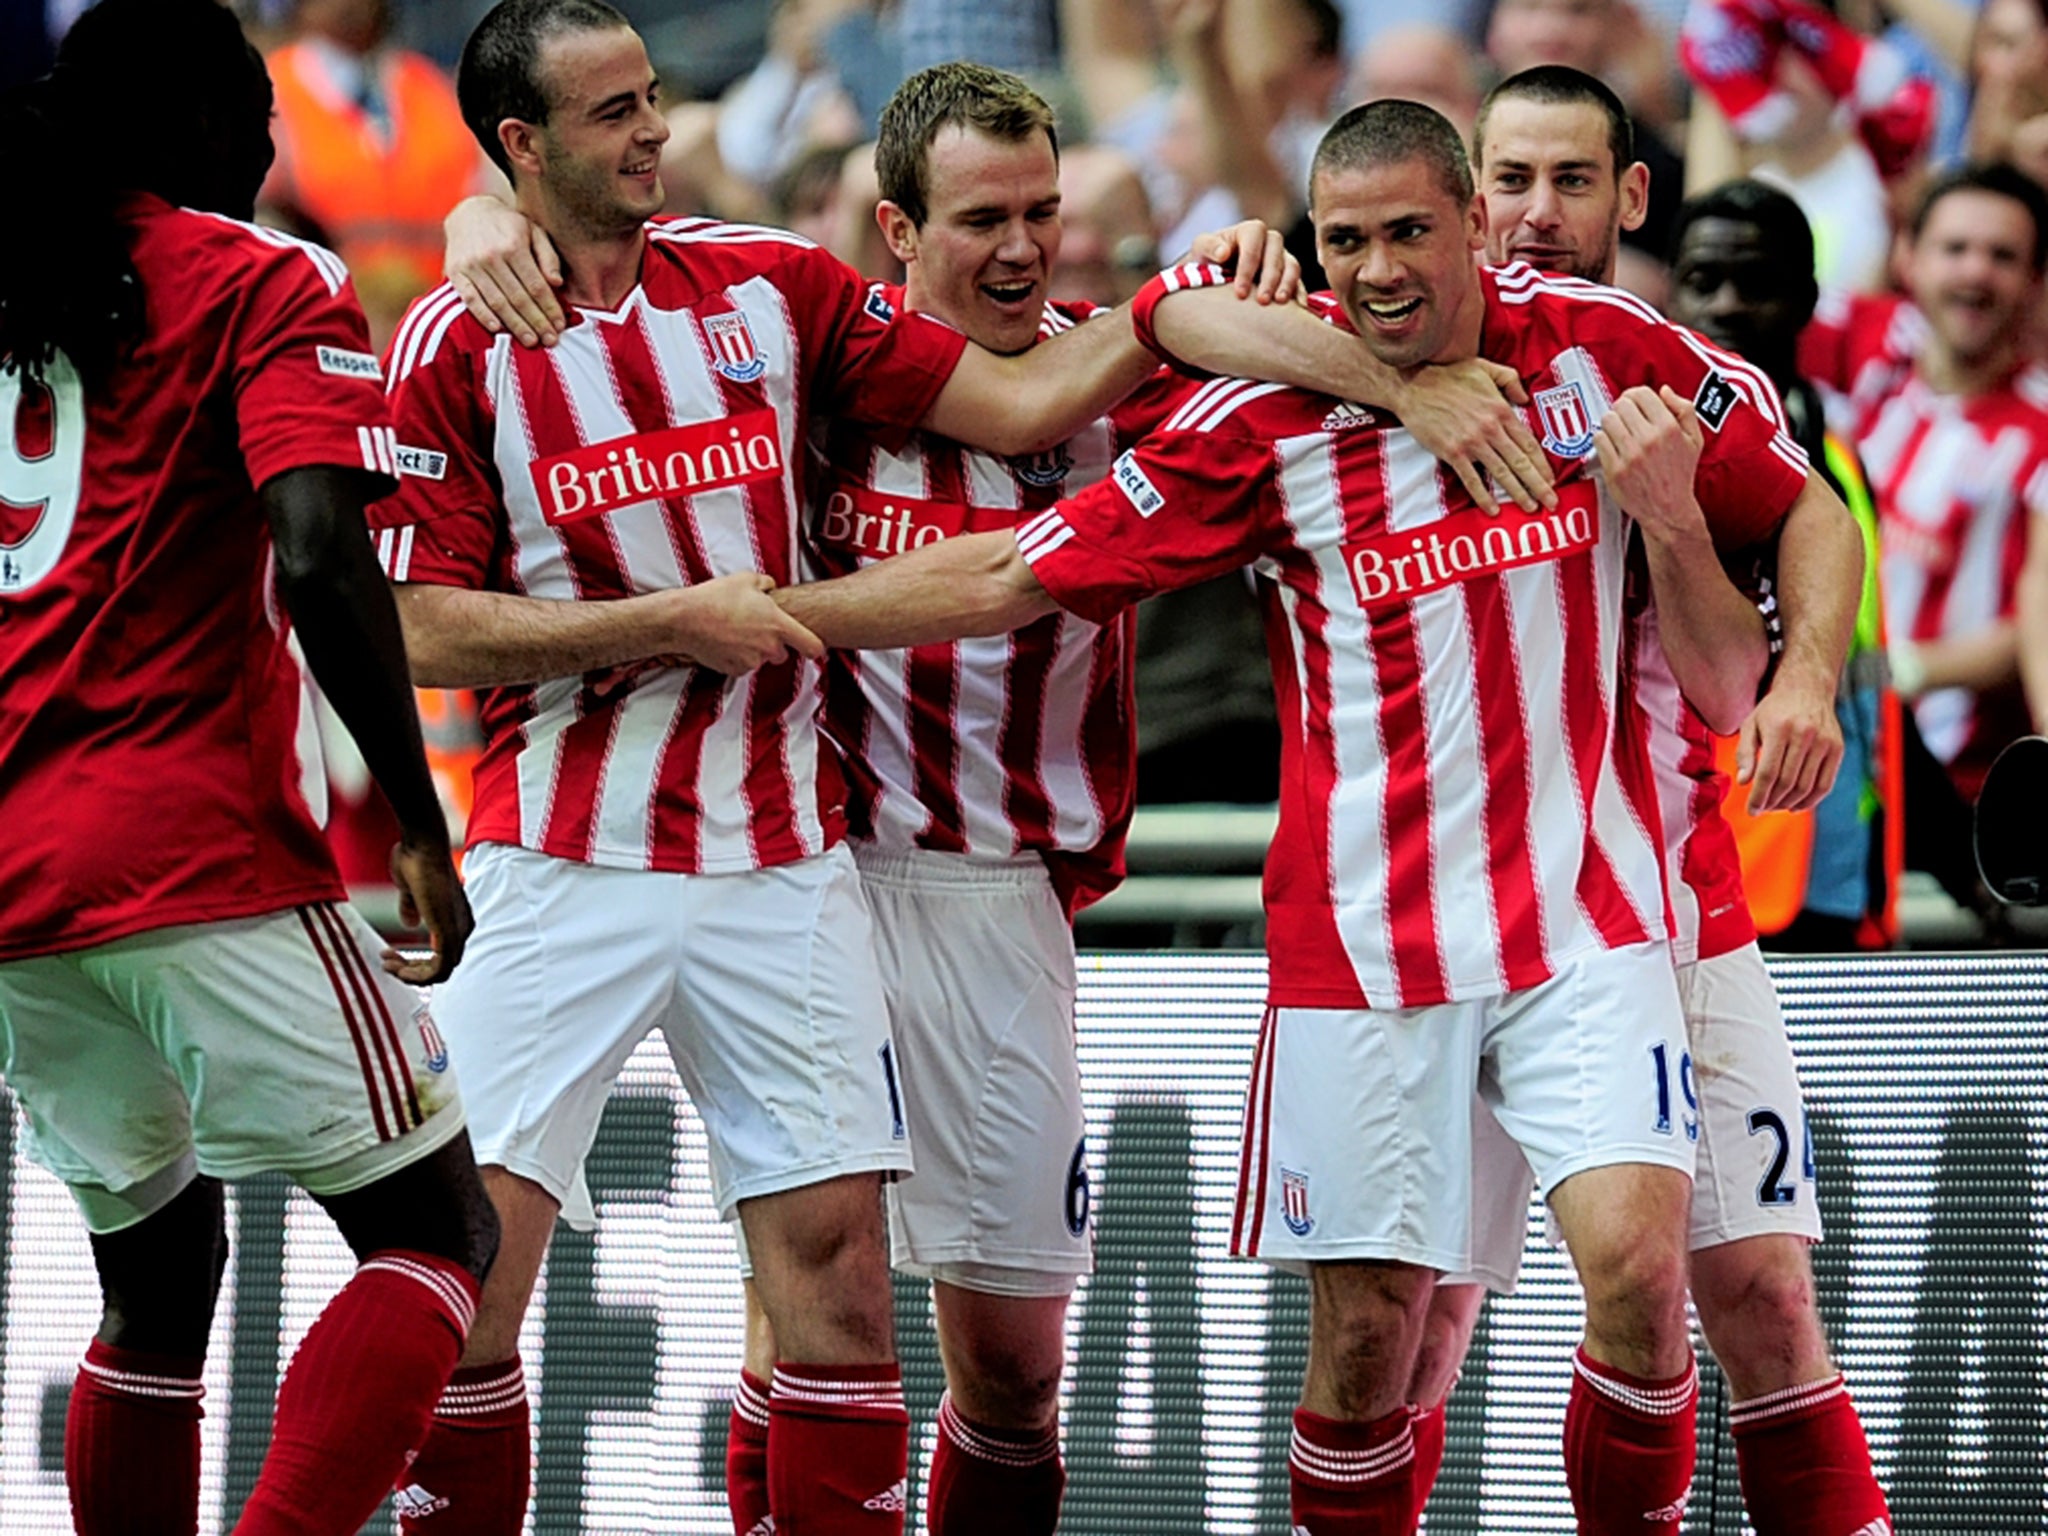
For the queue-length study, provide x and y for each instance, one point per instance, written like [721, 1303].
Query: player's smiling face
[1397, 246]
[601, 147]
[1971, 273]
[1553, 199]
[983, 257]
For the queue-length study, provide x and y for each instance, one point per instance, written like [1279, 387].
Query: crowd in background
[1182, 115]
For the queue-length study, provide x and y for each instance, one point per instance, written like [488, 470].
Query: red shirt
[1958, 482]
[656, 447]
[989, 747]
[1466, 798]
[149, 710]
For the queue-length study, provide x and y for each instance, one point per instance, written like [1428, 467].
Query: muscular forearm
[1982, 659]
[2033, 634]
[348, 631]
[1211, 329]
[1038, 398]
[1712, 635]
[974, 585]
[463, 639]
[1820, 585]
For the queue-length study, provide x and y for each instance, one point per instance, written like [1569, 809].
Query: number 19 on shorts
[1660, 1061]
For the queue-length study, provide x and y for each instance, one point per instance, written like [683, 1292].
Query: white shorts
[228, 1048]
[1359, 1126]
[977, 961]
[1755, 1174]
[763, 983]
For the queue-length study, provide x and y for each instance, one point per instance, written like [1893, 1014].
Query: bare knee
[159, 1279]
[1446, 1337]
[525, 1217]
[1627, 1231]
[1366, 1322]
[821, 1270]
[1759, 1313]
[1004, 1355]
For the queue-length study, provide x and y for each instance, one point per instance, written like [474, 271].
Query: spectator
[1824, 880]
[1022, 36]
[1419, 61]
[2009, 80]
[371, 152]
[792, 100]
[1951, 417]
[1108, 249]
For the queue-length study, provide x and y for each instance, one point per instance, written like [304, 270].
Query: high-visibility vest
[454, 740]
[378, 198]
[1777, 849]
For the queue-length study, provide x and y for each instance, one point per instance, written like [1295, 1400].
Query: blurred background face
[1420, 62]
[1525, 33]
[1107, 249]
[1728, 285]
[984, 257]
[2011, 46]
[1971, 273]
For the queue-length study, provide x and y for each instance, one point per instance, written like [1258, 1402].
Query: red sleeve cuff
[1176, 279]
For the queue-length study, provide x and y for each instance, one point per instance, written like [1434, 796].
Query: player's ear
[521, 143]
[1475, 222]
[899, 230]
[1635, 195]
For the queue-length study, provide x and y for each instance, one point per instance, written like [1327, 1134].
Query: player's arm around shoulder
[973, 584]
[459, 637]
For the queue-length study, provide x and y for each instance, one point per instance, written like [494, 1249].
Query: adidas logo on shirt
[765, 1526]
[1347, 414]
[891, 1501]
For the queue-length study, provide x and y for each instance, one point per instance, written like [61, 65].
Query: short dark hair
[1389, 132]
[2000, 180]
[1782, 223]
[956, 95]
[499, 76]
[1559, 85]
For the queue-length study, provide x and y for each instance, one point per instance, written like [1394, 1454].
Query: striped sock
[838, 1450]
[1805, 1466]
[475, 1470]
[359, 1395]
[993, 1482]
[1628, 1449]
[1352, 1479]
[746, 1459]
[131, 1443]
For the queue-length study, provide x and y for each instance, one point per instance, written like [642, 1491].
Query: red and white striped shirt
[1709, 908]
[998, 746]
[1465, 798]
[1957, 481]
[656, 447]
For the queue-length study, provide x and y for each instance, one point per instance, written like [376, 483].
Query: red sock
[360, 1392]
[1429, 1453]
[475, 1470]
[838, 1450]
[1350, 1479]
[131, 1443]
[1629, 1448]
[746, 1459]
[1805, 1465]
[993, 1482]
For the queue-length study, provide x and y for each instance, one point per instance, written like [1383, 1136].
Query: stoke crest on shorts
[734, 352]
[1567, 423]
[1294, 1202]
